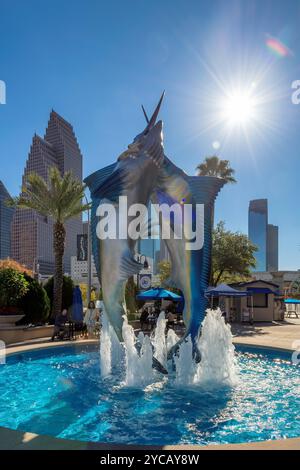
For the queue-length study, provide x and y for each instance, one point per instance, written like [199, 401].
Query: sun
[238, 108]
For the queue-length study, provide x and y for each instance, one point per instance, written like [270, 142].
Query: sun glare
[238, 109]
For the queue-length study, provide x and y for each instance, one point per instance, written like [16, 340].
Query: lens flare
[277, 47]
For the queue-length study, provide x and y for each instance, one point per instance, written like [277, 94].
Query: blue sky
[95, 62]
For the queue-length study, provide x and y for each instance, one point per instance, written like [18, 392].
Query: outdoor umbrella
[77, 307]
[223, 290]
[159, 293]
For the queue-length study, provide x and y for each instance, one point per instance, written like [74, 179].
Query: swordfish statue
[145, 174]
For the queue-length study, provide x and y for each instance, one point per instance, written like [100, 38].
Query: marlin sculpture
[144, 173]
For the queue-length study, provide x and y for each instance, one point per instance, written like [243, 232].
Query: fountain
[216, 369]
[105, 346]
[159, 339]
[218, 365]
[138, 357]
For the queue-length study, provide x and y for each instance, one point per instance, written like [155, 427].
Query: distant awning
[223, 290]
[261, 290]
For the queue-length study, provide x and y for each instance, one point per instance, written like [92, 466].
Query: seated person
[171, 317]
[144, 318]
[60, 325]
[152, 319]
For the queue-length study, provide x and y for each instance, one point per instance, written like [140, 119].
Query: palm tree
[213, 166]
[59, 199]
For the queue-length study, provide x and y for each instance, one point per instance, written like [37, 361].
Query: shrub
[35, 304]
[13, 286]
[10, 263]
[68, 287]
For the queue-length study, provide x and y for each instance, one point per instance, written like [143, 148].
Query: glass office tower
[272, 248]
[6, 216]
[258, 231]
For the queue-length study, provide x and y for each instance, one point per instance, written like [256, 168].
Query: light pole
[89, 255]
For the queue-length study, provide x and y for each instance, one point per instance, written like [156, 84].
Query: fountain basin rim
[12, 350]
[22, 440]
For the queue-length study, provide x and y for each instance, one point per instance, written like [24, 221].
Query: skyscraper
[272, 248]
[263, 235]
[32, 237]
[257, 231]
[6, 216]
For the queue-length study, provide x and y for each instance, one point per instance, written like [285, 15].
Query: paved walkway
[279, 335]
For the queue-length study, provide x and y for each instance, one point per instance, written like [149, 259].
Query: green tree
[13, 286]
[35, 304]
[59, 198]
[164, 272]
[130, 295]
[214, 166]
[67, 292]
[232, 255]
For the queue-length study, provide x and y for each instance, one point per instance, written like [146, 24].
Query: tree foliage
[13, 286]
[232, 255]
[164, 272]
[35, 304]
[131, 291]
[67, 291]
[10, 263]
[59, 198]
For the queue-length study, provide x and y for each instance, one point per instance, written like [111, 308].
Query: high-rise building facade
[272, 248]
[257, 231]
[6, 217]
[263, 235]
[32, 234]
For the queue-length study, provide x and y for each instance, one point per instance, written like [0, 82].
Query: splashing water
[184, 363]
[105, 346]
[139, 370]
[117, 348]
[218, 366]
[158, 339]
[172, 339]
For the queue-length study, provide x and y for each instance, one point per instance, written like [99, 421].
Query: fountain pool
[60, 392]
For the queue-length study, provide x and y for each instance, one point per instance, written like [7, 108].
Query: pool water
[60, 392]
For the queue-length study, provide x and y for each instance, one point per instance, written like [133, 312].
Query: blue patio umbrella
[159, 293]
[77, 306]
[292, 301]
[223, 290]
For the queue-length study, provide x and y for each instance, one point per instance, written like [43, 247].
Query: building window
[259, 301]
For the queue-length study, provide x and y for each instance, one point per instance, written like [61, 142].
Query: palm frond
[59, 198]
